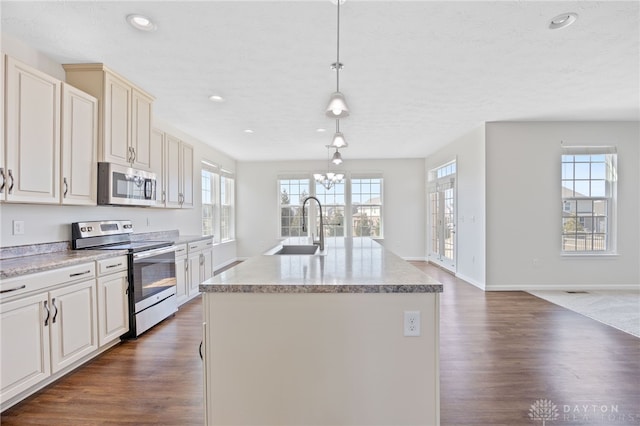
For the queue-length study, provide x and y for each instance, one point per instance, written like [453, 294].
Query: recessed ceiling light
[321, 130]
[216, 98]
[141, 22]
[248, 131]
[563, 20]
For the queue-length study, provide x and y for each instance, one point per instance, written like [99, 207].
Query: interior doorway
[442, 216]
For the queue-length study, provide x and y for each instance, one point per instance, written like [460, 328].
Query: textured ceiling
[417, 73]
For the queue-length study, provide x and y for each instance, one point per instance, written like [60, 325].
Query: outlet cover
[18, 227]
[411, 323]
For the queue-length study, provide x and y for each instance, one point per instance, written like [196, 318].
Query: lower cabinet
[200, 265]
[53, 321]
[113, 302]
[182, 274]
[46, 331]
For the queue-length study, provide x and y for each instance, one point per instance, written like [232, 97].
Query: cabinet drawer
[41, 280]
[200, 245]
[114, 264]
[181, 250]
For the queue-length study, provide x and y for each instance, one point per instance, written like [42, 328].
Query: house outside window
[333, 208]
[589, 181]
[292, 192]
[366, 207]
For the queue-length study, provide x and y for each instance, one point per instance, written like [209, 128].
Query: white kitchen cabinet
[48, 322]
[179, 173]
[200, 258]
[182, 274]
[24, 353]
[113, 299]
[31, 169]
[125, 119]
[157, 164]
[79, 146]
[74, 331]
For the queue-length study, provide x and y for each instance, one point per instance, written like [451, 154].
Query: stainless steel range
[152, 273]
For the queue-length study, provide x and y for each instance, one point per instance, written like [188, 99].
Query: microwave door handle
[147, 189]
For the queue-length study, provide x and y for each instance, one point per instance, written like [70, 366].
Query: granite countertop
[347, 265]
[23, 265]
[29, 259]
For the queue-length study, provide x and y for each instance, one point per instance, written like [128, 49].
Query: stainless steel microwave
[124, 186]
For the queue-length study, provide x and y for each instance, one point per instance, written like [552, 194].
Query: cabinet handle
[66, 187]
[114, 266]
[55, 315]
[201, 259]
[164, 196]
[133, 154]
[3, 179]
[200, 350]
[46, 320]
[11, 177]
[186, 266]
[13, 289]
[77, 274]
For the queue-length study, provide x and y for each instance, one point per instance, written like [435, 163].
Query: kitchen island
[320, 339]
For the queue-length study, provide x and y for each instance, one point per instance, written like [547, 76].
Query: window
[292, 194]
[209, 198]
[333, 208]
[588, 199]
[227, 197]
[217, 202]
[366, 207]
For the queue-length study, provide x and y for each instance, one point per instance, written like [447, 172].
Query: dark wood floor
[500, 352]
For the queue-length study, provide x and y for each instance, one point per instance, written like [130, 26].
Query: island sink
[301, 249]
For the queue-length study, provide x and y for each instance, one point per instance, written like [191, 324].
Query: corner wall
[523, 207]
[468, 151]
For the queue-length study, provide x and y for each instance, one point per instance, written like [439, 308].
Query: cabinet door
[172, 170]
[74, 332]
[117, 125]
[157, 165]
[141, 130]
[79, 146]
[113, 307]
[24, 352]
[187, 175]
[195, 275]
[182, 278]
[32, 135]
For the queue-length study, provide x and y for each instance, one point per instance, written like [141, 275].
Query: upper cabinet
[30, 172]
[124, 135]
[178, 176]
[79, 146]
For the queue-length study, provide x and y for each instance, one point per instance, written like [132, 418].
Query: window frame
[379, 206]
[228, 232]
[601, 191]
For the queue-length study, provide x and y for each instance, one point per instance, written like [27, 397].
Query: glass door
[442, 218]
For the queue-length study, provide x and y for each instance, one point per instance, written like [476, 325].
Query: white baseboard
[415, 259]
[563, 287]
[471, 281]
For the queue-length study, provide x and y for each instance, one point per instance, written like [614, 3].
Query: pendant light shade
[337, 107]
[337, 158]
[339, 141]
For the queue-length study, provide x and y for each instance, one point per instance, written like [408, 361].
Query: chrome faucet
[320, 242]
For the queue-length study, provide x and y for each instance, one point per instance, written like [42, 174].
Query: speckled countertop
[347, 265]
[23, 265]
[28, 259]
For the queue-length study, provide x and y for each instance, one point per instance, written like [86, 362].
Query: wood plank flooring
[500, 352]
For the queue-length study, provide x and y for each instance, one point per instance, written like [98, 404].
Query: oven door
[154, 276]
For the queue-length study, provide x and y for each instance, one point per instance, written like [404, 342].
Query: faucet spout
[320, 241]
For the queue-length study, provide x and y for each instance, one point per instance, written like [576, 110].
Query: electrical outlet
[411, 323]
[18, 227]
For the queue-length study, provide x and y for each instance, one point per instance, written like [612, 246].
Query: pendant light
[337, 158]
[329, 178]
[338, 139]
[337, 107]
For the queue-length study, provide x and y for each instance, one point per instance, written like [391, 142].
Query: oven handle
[153, 252]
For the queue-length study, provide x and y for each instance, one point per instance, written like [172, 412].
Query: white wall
[523, 207]
[403, 198]
[468, 151]
[50, 223]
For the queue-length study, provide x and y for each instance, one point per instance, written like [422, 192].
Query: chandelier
[329, 178]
